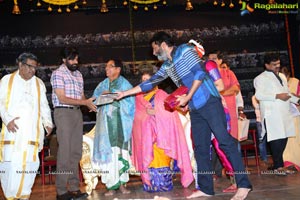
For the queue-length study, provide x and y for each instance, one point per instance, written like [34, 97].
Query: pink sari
[166, 131]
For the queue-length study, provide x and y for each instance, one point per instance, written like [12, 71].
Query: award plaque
[106, 98]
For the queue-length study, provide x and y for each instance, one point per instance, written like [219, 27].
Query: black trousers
[277, 149]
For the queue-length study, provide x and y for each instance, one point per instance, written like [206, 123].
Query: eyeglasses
[32, 67]
[110, 65]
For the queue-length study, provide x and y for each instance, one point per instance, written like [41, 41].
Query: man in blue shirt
[183, 65]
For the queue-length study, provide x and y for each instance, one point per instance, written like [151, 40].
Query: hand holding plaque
[171, 101]
[106, 98]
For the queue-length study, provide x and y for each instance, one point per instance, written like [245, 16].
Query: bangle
[241, 111]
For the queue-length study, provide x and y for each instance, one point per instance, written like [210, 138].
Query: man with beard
[271, 89]
[67, 97]
[183, 65]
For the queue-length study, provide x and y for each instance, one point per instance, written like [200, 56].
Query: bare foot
[198, 193]
[241, 194]
[124, 190]
[109, 193]
[231, 189]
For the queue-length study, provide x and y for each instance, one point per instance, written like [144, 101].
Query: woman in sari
[157, 139]
[291, 155]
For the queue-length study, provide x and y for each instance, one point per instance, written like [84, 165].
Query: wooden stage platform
[266, 186]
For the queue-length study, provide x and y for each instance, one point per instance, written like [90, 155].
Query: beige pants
[69, 133]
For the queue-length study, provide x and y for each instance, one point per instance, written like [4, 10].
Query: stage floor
[265, 187]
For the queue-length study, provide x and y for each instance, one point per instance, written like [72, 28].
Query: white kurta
[276, 112]
[19, 148]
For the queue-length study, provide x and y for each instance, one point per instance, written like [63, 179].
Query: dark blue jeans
[207, 119]
[262, 146]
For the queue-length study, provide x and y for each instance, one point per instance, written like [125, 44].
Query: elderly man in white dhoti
[25, 113]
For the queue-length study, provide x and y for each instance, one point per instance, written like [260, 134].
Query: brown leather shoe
[78, 195]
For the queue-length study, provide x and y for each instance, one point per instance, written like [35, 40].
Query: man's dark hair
[118, 63]
[286, 71]
[226, 61]
[69, 53]
[220, 55]
[23, 57]
[161, 37]
[271, 57]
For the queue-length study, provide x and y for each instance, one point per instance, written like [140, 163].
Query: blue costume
[112, 142]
